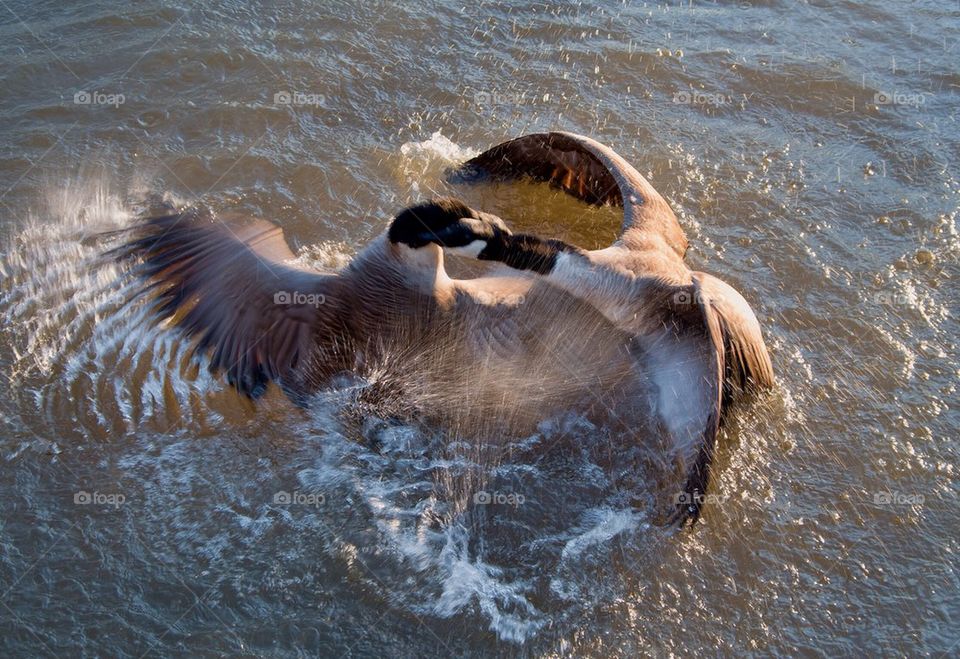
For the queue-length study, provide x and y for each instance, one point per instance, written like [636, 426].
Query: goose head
[448, 224]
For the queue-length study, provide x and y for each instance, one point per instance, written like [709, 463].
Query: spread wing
[709, 344]
[229, 286]
[587, 170]
[684, 360]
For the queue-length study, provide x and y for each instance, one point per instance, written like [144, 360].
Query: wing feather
[714, 350]
[218, 282]
[590, 172]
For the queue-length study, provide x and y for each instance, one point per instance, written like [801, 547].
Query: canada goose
[487, 349]
[699, 339]
[553, 327]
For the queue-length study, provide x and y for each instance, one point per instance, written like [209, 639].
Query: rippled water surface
[811, 151]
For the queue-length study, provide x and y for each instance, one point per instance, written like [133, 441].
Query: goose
[628, 328]
[696, 336]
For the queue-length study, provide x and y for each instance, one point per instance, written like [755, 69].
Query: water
[811, 153]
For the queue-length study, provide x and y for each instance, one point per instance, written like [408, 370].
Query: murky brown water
[811, 151]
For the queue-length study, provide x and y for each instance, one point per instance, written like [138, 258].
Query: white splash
[437, 146]
[604, 524]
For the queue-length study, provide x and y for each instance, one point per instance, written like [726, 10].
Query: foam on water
[416, 493]
[601, 524]
[437, 146]
[427, 159]
[467, 580]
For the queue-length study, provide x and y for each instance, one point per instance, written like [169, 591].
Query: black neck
[526, 252]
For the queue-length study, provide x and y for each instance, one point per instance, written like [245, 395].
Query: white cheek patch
[471, 250]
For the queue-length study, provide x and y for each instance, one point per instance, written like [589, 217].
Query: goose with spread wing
[628, 328]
